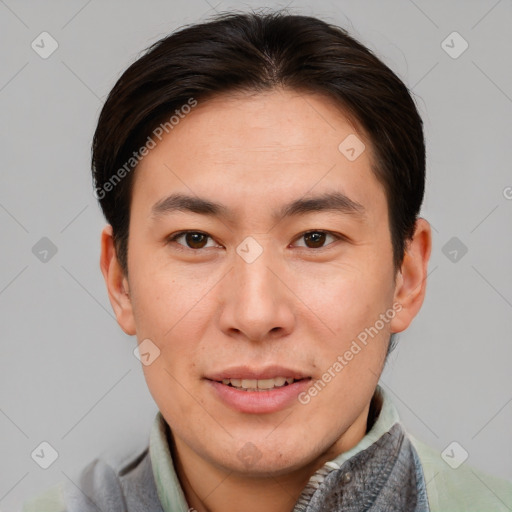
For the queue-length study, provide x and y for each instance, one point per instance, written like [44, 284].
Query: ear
[411, 281]
[117, 282]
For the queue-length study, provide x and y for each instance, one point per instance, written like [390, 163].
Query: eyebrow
[330, 201]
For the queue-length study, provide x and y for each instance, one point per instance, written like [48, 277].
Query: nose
[257, 303]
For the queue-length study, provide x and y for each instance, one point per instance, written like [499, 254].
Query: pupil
[195, 238]
[317, 238]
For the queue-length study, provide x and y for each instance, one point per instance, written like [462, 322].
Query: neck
[211, 488]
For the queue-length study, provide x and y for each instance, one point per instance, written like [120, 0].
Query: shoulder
[463, 488]
[106, 483]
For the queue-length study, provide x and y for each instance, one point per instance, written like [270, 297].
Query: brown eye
[196, 240]
[193, 239]
[316, 239]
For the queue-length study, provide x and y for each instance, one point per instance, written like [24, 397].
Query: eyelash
[336, 236]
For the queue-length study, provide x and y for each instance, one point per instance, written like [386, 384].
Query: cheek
[163, 296]
[165, 314]
[350, 305]
[170, 392]
[345, 299]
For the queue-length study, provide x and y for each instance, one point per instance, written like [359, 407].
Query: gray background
[68, 373]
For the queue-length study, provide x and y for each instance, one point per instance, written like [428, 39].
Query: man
[262, 177]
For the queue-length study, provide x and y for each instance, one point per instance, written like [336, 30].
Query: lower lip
[259, 402]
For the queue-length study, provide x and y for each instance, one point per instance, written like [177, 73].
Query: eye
[193, 239]
[196, 240]
[316, 239]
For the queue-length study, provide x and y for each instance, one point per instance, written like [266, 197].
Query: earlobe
[116, 282]
[411, 282]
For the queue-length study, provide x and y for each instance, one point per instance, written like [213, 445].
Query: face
[253, 292]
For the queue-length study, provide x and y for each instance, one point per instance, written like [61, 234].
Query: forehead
[264, 146]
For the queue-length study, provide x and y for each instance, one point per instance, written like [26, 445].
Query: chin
[266, 467]
[270, 460]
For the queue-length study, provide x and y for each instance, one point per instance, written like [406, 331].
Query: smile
[259, 384]
[259, 396]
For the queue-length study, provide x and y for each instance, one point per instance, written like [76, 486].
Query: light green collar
[168, 485]
[387, 418]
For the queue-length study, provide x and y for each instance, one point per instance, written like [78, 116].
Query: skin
[296, 305]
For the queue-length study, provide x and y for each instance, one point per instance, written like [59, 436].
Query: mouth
[258, 391]
[258, 385]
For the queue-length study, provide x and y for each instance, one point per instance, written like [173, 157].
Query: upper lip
[246, 372]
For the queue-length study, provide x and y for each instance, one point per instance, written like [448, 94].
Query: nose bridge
[254, 259]
[257, 300]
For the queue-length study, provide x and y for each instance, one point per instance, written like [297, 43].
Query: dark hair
[252, 52]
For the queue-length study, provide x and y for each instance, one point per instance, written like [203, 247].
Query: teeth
[270, 383]
[258, 385]
[249, 383]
